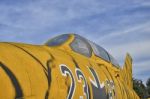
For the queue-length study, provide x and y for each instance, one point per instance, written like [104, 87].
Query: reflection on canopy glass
[58, 40]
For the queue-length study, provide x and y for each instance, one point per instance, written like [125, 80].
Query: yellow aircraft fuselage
[57, 72]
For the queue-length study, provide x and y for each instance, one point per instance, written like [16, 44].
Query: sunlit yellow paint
[29, 65]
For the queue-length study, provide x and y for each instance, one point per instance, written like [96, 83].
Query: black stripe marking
[14, 81]
[47, 70]
[30, 55]
[68, 89]
[74, 61]
[49, 79]
[89, 92]
[76, 64]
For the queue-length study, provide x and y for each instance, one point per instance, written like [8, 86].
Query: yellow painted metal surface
[43, 72]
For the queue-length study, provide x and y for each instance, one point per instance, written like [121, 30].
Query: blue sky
[120, 26]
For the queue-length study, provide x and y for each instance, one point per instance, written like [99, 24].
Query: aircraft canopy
[83, 46]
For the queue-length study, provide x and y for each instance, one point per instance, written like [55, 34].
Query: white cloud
[127, 30]
[141, 67]
[136, 49]
[141, 70]
[103, 21]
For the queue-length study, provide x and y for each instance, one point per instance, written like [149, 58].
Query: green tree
[148, 86]
[139, 88]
